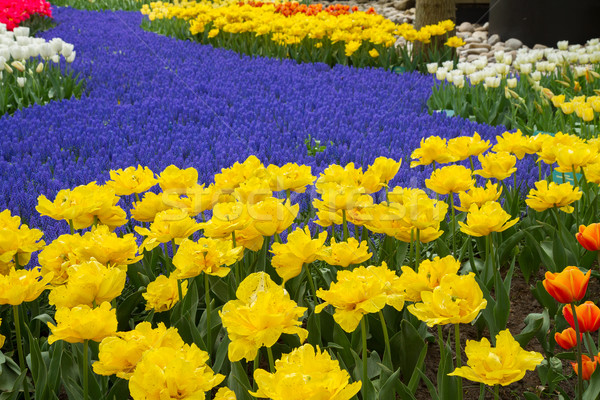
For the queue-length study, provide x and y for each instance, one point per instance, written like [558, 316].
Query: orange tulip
[567, 339]
[589, 237]
[588, 316]
[588, 367]
[567, 286]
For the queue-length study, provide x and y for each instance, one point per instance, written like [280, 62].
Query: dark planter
[545, 21]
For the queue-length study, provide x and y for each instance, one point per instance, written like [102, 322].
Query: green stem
[386, 336]
[238, 264]
[208, 315]
[179, 290]
[451, 197]
[579, 358]
[254, 368]
[471, 162]
[311, 282]
[271, 362]
[345, 232]
[417, 251]
[20, 350]
[442, 354]
[458, 357]
[71, 228]
[363, 328]
[85, 370]
[496, 392]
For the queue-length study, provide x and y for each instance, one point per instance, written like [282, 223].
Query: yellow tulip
[427, 277]
[131, 180]
[361, 291]
[305, 373]
[167, 374]
[497, 165]
[450, 179]
[457, 300]
[345, 253]
[260, 314]
[207, 255]
[490, 217]
[163, 293]
[74, 325]
[119, 355]
[546, 196]
[502, 365]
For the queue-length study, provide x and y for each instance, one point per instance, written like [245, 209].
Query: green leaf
[430, 385]
[238, 381]
[410, 346]
[534, 323]
[125, 309]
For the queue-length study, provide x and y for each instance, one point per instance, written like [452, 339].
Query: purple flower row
[157, 101]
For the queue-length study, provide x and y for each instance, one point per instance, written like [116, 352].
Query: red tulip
[567, 286]
[589, 237]
[588, 367]
[567, 338]
[588, 316]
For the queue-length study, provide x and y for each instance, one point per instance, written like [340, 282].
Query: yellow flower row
[584, 107]
[352, 28]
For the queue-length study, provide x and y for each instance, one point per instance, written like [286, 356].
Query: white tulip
[67, 49]
[449, 65]
[492, 82]
[39, 68]
[470, 68]
[16, 52]
[23, 40]
[46, 51]
[21, 81]
[2, 62]
[432, 67]
[507, 59]
[584, 59]
[56, 44]
[499, 56]
[21, 31]
[5, 53]
[55, 59]
[593, 42]
[526, 69]
[71, 57]
[562, 45]
[2, 28]
[480, 63]
[440, 74]
[459, 81]
[449, 78]
[511, 83]
[536, 76]
[502, 69]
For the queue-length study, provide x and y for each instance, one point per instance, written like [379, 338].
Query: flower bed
[522, 93]
[290, 212]
[334, 34]
[14, 12]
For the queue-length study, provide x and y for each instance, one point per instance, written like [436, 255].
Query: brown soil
[523, 303]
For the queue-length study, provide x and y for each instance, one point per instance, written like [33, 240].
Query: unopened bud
[18, 66]
[40, 67]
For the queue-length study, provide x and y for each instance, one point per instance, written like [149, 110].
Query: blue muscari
[156, 101]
